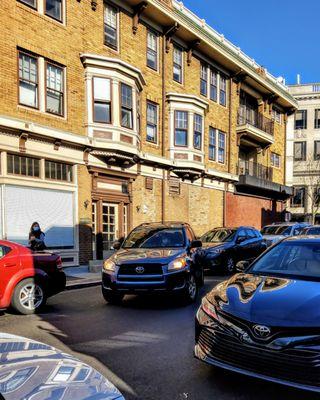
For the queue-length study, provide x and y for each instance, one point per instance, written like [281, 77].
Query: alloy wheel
[31, 296]
[230, 265]
[192, 287]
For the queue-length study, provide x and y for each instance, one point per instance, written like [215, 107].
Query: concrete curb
[82, 285]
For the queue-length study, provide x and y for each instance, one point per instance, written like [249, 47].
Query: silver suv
[275, 232]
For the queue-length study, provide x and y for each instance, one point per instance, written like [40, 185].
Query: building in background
[121, 112]
[303, 153]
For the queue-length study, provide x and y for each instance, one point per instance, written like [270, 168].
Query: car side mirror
[242, 266]
[241, 239]
[195, 244]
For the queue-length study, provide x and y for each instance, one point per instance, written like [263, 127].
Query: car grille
[152, 273]
[300, 366]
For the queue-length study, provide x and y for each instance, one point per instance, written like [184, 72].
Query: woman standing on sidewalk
[36, 237]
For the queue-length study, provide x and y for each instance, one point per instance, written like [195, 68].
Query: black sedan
[155, 258]
[224, 247]
[265, 322]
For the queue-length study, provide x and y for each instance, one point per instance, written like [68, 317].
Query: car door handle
[9, 264]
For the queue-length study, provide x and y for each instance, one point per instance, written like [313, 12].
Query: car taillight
[59, 262]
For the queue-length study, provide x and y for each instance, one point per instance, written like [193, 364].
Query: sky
[281, 35]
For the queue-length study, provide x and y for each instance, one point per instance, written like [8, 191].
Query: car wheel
[229, 265]
[112, 297]
[28, 296]
[191, 290]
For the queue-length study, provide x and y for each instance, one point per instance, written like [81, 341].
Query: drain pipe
[163, 131]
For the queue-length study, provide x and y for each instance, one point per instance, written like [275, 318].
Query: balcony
[257, 179]
[253, 128]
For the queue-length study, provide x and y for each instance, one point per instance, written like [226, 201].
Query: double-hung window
[212, 144]
[301, 119]
[213, 85]
[197, 135]
[221, 147]
[53, 9]
[317, 119]
[177, 64]
[152, 122]
[298, 199]
[152, 50]
[204, 80]
[54, 90]
[126, 106]
[28, 80]
[275, 160]
[181, 128]
[111, 26]
[101, 100]
[300, 151]
[223, 90]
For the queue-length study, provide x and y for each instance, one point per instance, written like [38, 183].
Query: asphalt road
[145, 347]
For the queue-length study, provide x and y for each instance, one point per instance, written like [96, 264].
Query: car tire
[229, 266]
[111, 297]
[28, 297]
[191, 290]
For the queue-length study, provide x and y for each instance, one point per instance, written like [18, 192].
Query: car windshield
[276, 230]
[290, 259]
[155, 238]
[218, 236]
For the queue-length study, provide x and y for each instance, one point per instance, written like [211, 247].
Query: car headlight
[109, 266]
[178, 263]
[208, 308]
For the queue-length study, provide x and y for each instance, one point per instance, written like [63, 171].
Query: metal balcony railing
[255, 169]
[251, 116]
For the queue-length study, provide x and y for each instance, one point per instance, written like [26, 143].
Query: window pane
[20, 165]
[54, 9]
[181, 119]
[151, 133]
[221, 147]
[152, 50]
[177, 64]
[102, 89]
[181, 137]
[28, 94]
[126, 96]
[54, 102]
[102, 112]
[301, 119]
[177, 73]
[28, 80]
[197, 131]
[31, 3]
[152, 114]
[126, 118]
[58, 171]
[54, 77]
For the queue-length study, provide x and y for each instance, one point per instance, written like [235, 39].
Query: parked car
[154, 258]
[311, 230]
[33, 370]
[264, 322]
[28, 278]
[275, 232]
[222, 248]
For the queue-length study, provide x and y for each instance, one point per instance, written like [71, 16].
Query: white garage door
[53, 209]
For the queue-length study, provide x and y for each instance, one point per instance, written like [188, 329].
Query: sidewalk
[80, 277]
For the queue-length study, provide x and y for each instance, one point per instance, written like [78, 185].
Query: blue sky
[281, 35]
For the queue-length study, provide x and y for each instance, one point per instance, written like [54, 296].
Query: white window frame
[217, 133]
[179, 48]
[156, 51]
[156, 106]
[210, 71]
[40, 6]
[275, 160]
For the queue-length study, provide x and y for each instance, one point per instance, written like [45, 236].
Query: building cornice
[189, 99]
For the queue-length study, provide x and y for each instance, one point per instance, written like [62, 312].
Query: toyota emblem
[139, 270]
[261, 331]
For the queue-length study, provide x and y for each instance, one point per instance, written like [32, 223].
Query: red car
[28, 278]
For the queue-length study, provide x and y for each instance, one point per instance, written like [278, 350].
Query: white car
[275, 232]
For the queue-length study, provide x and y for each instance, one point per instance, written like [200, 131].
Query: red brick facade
[252, 211]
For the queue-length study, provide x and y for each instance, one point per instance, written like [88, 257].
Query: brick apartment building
[120, 112]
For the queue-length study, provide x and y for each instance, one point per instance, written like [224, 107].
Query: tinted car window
[242, 233]
[251, 234]
[277, 230]
[297, 230]
[151, 238]
[219, 235]
[311, 231]
[4, 250]
[290, 259]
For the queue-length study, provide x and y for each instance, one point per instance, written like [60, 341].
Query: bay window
[126, 106]
[111, 26]
[28, 80]
[181, 128]
[54, 89]
[101, 100]
[197, 135]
